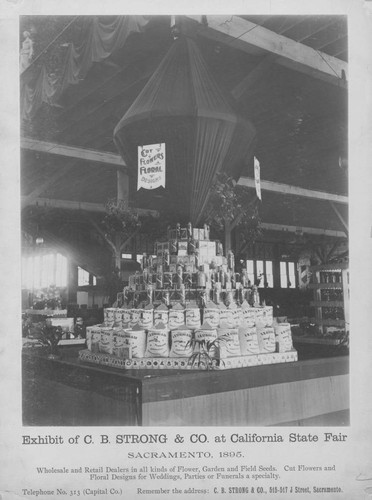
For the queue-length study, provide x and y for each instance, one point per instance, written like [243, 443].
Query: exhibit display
[184, 221]
[190, 301]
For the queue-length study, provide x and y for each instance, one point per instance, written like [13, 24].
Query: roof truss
[249, 36]
[280, 188]
[72, 152]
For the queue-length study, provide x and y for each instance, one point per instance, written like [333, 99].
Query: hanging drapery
[99, 40]
[182, 106]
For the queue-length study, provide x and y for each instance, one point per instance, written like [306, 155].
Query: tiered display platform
[189, 267]
[185, 364]
[189, 309]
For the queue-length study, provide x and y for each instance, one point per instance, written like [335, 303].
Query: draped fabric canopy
[182, 106]
[99, 40]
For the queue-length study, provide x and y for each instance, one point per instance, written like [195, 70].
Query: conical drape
[182, 106]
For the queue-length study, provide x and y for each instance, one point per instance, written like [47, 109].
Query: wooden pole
[227, 236]
[122, 186]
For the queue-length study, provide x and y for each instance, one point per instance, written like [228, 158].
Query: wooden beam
[297, 229]
[79, 257]
[257, 73]
[227, 236]
[107, 107]
[122, 186]
[130, 63]
[245, 35]
[310, 32]
[78, 205]
[327, 36]
[126, 241]
[65, 204]
[30, 198]
[277, 187]
[340, 217]
[100, 231]
[289, 23]
[238, 219]
[72, 152]
[341, 52]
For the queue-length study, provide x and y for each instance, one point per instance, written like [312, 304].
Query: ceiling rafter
[329, 41]
[336, 45]
[287, 189]
[92, 86]
[42, 187]
[340, 217]
[278, 22]
[91, 134]
[306, 32]
[341, 52]
[85, 90]
[80, 257]
[314, 32]
[302, 229]
[108, 159]
[326, 37]
[257, 73]
[288, 24]
[114, 83]
[245, 34]
[78, 205]
[103, 109]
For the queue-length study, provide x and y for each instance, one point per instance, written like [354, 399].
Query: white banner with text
[151, 166]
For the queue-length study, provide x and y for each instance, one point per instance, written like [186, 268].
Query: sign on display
[151, 166]
[257, 178]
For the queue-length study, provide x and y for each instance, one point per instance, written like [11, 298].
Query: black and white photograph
[184, 190]
[186, 226]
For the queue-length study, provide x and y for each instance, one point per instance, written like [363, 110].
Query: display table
[66, 391]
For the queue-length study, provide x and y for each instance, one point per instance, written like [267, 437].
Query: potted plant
[204, 354]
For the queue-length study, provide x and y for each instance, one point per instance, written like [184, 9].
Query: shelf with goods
[330, 285]
[39, 324]
[50, 313]
[189, 267]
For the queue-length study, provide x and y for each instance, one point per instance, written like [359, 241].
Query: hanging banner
[151, 166]
[257, 178]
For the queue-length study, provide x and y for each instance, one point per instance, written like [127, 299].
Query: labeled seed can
[119, 344]
[136, 338]
[135, 316]
[157, 345]
[105, 345]
[192, 315]
[266, 339]
[161, 315]
[181, 345]
[147, 318]
[248, 340]
[228, 342]
[211, 314]
[283, 337]
[176, 316]
[205, 338]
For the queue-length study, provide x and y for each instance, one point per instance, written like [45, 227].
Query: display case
[330, 284]
[34, 322]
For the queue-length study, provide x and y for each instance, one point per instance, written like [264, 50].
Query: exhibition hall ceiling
[286, 75]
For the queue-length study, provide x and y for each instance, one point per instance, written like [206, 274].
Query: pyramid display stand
[189, 308]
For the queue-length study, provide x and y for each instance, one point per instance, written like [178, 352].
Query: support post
[122, 185]
[227, 236]
[72, 282]
[340, 217]
[117, 251]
